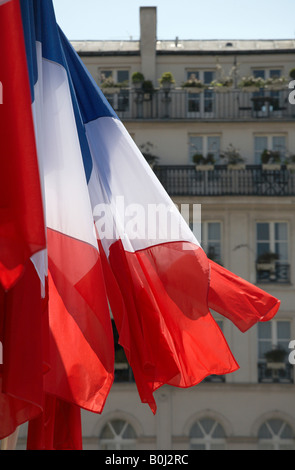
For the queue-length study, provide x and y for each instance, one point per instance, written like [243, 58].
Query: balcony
[179, 104]
[275, 373]
[254, 180]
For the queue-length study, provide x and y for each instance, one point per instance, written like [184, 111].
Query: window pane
[196, 145]
[274, 73]
[281, 249]
[262, 231]
[283, 330]
[264, 330]
[281, 232]
[123, 76]
[260, 144]
[129, 433]
[118, 425]
[218, 432]
[105, 74]
[214, 146]
[279, 144]
[192, 75]
[259, 73]
[107, 432]
[213, 231]
[196, 431]
[262, 248]
[208, 77]
[207, 425]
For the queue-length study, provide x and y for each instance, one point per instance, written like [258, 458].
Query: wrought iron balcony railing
[275, 373]
[209, 105]
[254, 180]
[280, 273]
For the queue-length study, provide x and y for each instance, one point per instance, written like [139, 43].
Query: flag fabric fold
[114, 240]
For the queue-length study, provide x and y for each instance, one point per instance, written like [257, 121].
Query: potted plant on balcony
[275, 83]
[110, 87]
[290, 162]
[251, 84]
[233, 158]
[267, 262]
[292, 74]
[275, 358]
[271, 160]
[204, 163]
[193, 85]
[166, 80]
[137, 80]
[148, 89]
[221, 86]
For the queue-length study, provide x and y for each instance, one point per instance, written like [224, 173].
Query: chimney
[148, 39]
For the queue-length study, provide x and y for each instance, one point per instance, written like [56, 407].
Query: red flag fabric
[22, 230]
[22, 234]
[57, 428]
[238, 300]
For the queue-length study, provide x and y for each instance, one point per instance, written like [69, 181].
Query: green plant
[270, 156]
[290, 159]
[231, 156]
[267, 257]
[193, 82]
[147, 86]
[166, 77]
[292, 73]
[251, 81]
[137, 77]
[199, 159]
[276, 354]
[226, 82]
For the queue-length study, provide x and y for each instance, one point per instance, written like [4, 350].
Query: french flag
[109, 238]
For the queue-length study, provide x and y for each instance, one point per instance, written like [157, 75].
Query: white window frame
[204, 236]
[205, 145]
[118, 442]
[269, 145]
[200, 97]
[272, 240]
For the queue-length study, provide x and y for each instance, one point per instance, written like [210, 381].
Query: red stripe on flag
[23, 332]
[163, 319]
[240, 301]
[81, 342]
[57, 428]
[22, 231]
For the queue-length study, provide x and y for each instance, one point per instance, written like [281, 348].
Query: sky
[185, 19]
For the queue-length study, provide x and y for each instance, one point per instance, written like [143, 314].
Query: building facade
[248, 224]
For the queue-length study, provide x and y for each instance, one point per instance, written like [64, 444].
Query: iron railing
[280, 274]
[253, 180]
[209, 105]
[275, 373]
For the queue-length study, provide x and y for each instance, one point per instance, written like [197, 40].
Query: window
[201, 103]
[276, 434]
[120, 100]
[204, 145]
[117, 434]
[272, 103]
[207, 434]
[276, 143]
[211, 240]
[272, 251]
[274, 336]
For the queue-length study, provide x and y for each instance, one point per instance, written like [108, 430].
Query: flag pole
[9, 442]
